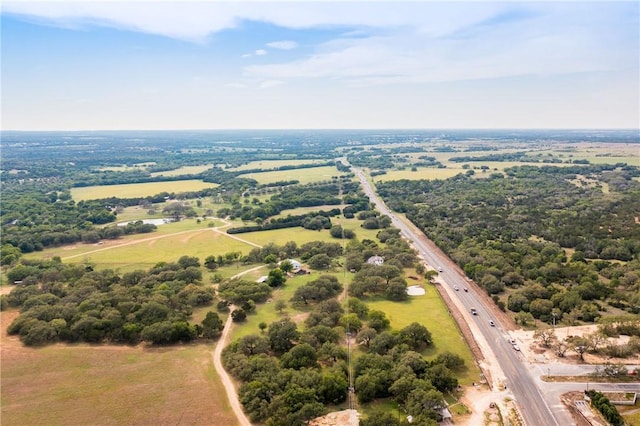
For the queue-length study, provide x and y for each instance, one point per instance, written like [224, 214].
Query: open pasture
[133, 190]
[173, 240]
[272, 164]
[109, 385]
[594, 153]
[301, 235]
[305, 210]
[267, 313]
[141, 251]
[431, 311]
[304, 176]
[185, 170]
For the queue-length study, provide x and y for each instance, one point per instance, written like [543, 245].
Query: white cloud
[283, 45]
[260, 52]
[536, 40]
[270, 83]
[194, 21]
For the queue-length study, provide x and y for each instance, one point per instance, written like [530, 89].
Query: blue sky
[349, 64]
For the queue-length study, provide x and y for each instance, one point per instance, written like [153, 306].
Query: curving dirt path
[229, 387]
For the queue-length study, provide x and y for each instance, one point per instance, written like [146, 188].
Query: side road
[229, 387]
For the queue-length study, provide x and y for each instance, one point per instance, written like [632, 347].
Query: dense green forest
[553, 245]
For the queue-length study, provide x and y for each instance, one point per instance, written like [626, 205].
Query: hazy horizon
[346, 65]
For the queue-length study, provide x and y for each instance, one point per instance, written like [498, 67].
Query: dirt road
[229, 387]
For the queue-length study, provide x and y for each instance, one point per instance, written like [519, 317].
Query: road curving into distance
[227, 382]
[534, 409]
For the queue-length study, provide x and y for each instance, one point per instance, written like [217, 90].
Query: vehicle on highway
[456, 288]
[474, 311]
[466, 289]
[516, 347]
[491, 323]
[512, 341]
[440, 269]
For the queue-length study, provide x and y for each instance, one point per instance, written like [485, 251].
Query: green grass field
[142, 251]
[132, 190]
[315, 174]
[431, 311]
[272, 164]
[187, 237]
[267, 313]
[186, 170]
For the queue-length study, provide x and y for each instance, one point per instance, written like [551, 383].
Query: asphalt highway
[534, 409]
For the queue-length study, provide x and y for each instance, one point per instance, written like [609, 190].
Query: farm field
[272, 164]
[612, 153]
[109, 385]
[305, 210]
[301, 235]
[133, 190]
[185, 170]
[187, 237]
[315, 174]
[141, 251]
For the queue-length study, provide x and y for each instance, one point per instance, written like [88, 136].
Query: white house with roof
[296, 265]
[375, 260]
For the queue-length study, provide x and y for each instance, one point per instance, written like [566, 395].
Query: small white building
[296, 265]
[375, 260]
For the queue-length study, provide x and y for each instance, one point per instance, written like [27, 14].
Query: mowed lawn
[133, 190]
[174, 240]
[314, 174]
[302, 236]
[266, 312]
[109, 385]
[431, 311]
[141, 251]
[143, 254]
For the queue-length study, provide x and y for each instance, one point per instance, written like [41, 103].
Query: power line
[351, 389]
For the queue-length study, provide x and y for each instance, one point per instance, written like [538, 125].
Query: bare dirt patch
[338, 418]
[584, 416]
[537, 353]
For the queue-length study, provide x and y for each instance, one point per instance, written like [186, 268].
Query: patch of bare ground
[337, 418]
[581, 411]
[537, 353]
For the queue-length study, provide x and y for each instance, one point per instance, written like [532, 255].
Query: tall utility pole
[351, 389]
